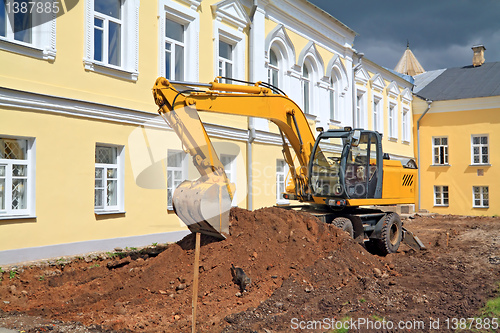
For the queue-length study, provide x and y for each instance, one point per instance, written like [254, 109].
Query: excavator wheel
[344, 224]
[391, 235]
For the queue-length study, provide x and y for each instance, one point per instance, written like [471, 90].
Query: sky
[440, 32]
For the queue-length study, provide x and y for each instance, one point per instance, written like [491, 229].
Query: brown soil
[299, 268]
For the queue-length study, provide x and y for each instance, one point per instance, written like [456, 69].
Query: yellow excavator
[338, 176]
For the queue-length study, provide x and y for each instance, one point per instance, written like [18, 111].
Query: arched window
[273, 71]
[306, 88]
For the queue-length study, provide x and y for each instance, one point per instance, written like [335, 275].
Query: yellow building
[86, 164]
[457, 113]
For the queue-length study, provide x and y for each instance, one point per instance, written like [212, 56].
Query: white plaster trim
[232, 12]
[235, 38]
[311, 23]
[191, 20]
[193, 4]
[377, 83]
[19, 100]
[44, 40]
[129, 68]
[459, 105]
[393, 90]
[406, 96]
[361, 76]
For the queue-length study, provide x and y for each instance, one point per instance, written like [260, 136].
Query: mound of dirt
[286, 254]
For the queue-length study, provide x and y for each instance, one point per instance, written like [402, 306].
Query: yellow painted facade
[458, 121]
[66, 104]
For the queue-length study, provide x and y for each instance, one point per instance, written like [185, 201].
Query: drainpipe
[429, 102]
[354, 70]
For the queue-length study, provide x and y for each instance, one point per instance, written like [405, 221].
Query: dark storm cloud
[441, 32]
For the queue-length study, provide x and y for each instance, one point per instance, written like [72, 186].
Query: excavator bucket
[203, 207]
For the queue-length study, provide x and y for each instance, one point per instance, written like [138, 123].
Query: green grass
[341, 330]
[490, 311]
[12, 274]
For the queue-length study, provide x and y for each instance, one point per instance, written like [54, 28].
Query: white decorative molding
[310, 51]
[406, 96]
[361, 76]
[192, 4]
[129, 69]
[190, 19]
[337, 68]
[377, 83]
[44, 39]
[28, 102]
[232, 12]
[393, 90]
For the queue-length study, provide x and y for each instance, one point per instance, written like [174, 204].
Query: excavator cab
[347, 164]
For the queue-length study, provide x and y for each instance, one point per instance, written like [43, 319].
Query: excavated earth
[301, 271]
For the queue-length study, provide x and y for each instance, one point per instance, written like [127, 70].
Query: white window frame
[274, 69]
[43, 35]
[306, 88]
[222, 62]
[189, 18]
[406, 125]
[237, 39]
[443, 150]
[377, 113]
[480, 146]
[231, 172]
[106, 19]
[173, 53]
[281, 177]
[392, 119]
[441, 196]
[7, 212]
[183, 168]
[358, 119]
[120, 181]
[484, 196]
[129, 66]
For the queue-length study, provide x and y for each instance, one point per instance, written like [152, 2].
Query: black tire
[391, 235]
[344, 224]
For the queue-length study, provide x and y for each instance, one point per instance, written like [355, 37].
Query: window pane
[22, 23]
[13, 149]
[484, 140]
[3, 19]
[19, 170]
[98, 195]
[437, 141]
[273, 59]
[477, 202]
[168, 62]
[274, 81]
[112, 173]
[475, 140]
[108, 7]
[306, 96]
[2, 193]
[484, 159]
[19, 194]
[444, 141]
[486, 203]
[174, 159]
[225, 50]
[174, 30]
[98, 22]
[106, 155]
[177, 175]
[111, 195]
[305, 72]
[114, 44]
[179, 62]
[98, 44]
[229, 71]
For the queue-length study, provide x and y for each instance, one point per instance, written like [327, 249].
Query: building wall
[65, 103]
[458, 121]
